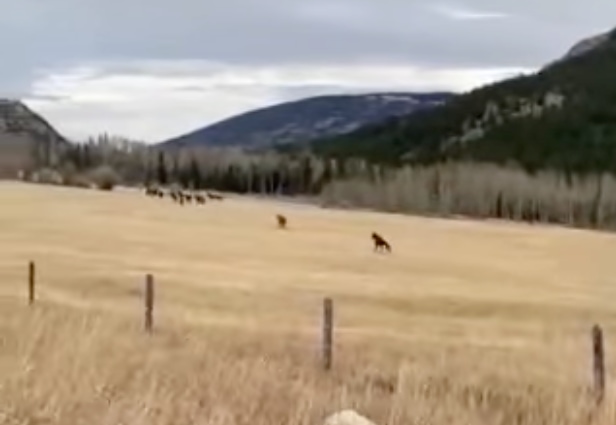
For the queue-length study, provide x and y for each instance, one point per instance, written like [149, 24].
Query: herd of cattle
[181, 196]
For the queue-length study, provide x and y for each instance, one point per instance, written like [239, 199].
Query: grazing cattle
[380, 243]
[282, 221]
[152, 191]
[200, 199]
[177, 196]
[214, 196]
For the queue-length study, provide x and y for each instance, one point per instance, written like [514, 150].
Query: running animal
[380, 243]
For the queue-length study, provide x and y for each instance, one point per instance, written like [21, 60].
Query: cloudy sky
[153, 69]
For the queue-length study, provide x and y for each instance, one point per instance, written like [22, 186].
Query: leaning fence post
[149, 302]
[328, 328]
[31, 282]
[598, 363]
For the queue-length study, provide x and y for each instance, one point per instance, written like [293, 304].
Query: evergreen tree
[195, 174]
[175, 171]
[148, 174]
[306, 175]
[163, 178]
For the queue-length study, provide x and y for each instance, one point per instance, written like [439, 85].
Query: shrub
[80, 180]
[23, 175]
[104, 177]
[47, 176]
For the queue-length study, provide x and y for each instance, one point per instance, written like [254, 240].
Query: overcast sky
[153, 69]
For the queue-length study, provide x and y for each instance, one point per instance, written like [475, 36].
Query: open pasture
[474, 322]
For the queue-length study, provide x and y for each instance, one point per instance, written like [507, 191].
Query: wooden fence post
[31, 282]
[149, 302]
[598, 363]
[328, 328]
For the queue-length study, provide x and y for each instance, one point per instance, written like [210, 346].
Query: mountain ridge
[26, 138]
[306, 119]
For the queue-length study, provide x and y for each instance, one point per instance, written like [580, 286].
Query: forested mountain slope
[562, 117]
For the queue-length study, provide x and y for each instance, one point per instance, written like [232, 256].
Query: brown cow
[282, 221]
[214, 196]
[380, 243]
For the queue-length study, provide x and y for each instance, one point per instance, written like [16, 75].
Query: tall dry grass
[61, 366]
[466, 323]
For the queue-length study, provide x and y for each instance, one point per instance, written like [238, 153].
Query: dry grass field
[464, 323]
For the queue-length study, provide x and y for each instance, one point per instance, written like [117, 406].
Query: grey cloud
[190, 89]
[48, 98]
[292, 92]
[301, 92]
[36, 34]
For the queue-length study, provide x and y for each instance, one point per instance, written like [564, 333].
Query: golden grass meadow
[466, 322]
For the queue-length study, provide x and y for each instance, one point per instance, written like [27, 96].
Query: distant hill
[307, 119]
[561, 117]
[25, 137]
[583, 46]
[587, 44]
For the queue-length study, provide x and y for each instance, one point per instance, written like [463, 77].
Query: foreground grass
[467, 323]
[61, 366]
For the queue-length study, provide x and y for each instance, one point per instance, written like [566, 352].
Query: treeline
[446, 189]
[124, 157]
[241, 172]
[232, 170]
[484, 191]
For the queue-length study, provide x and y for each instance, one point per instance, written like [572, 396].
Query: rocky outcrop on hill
[26, 139]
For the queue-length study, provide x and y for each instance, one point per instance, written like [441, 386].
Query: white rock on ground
[347, 417]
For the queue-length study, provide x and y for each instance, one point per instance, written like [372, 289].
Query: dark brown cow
[153, 191]
[282, 221]
[380, 243]
[215, 196]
